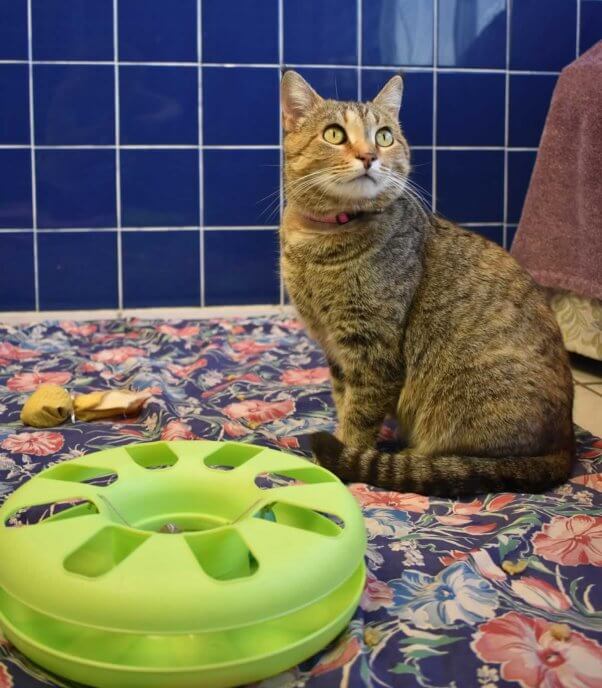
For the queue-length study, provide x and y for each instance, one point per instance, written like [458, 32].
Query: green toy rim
[343, 616]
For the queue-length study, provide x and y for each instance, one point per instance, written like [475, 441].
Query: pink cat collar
[338, 219]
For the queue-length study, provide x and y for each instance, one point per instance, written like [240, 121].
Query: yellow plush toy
[52, 405]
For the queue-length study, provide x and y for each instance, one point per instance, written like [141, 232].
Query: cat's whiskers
[408, 193]
[319, 178]
[296, 187]
[406, 187]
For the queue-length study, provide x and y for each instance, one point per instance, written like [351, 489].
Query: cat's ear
[297, 97]
[389, 97]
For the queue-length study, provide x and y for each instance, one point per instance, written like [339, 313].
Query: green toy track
[185, 571]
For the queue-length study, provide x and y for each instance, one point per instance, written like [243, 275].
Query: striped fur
[440, 476]
[418, 319]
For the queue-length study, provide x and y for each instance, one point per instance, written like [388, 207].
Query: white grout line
[226, 228]
[19, 146]
[183, 65]
[34, 199]
[258, 147]
[163, 146]
[506, 124]
[199, 47]
[159, 146]
[481, 224]
[359, 8]
[280, 132]
[578, 31]
[435, 70]
[103, 230]
[247, 65]
[117, 157]
[521, 149]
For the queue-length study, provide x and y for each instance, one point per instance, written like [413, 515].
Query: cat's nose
[367, 158]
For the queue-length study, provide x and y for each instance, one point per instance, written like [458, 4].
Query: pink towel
[559, 239]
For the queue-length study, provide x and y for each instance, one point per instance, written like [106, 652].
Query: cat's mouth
[367, 175]
[365, 185]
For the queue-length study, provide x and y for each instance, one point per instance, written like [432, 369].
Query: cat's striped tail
[442, 476]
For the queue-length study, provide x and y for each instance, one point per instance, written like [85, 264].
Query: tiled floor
[587, 374]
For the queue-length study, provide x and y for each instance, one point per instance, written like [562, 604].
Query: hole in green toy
[51, 511]
[223, 555]
[75, 473]
[172, 524]
[104, 551]
[302, 518]
[190, 503]
[152, 456]
[294, 476]
[230, 456]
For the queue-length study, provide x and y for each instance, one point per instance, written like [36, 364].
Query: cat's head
[342, 156]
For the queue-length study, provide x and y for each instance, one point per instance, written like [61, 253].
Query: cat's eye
[384, 137]
[334, 134]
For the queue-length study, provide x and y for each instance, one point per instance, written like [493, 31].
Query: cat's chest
[322, 295]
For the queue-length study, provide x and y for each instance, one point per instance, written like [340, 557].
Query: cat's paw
[326, 449]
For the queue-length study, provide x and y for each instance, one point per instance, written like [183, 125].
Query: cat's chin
[362, 188]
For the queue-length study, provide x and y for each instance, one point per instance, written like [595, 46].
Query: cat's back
[483, 353]
[481, 331]
[479, 287]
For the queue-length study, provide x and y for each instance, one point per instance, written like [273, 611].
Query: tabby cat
[417, 317]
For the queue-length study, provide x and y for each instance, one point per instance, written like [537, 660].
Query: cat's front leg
[338, 386]
[372, 377]
[364, 410]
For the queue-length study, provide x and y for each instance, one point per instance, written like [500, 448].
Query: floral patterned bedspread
[501, 590]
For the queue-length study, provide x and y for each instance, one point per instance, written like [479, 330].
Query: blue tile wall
[470, 185]
[543, 33]
[397, 32]
[157, 30]
[158, 105]
[472, 33]
[228, 92]
[161, 269]
[140, 151]
[17, 288]
[529, 100]
[590, 24]
[317, 32]
[230, 200]
[16, 205]
[255, 254]
[520, 167]
[160, 188]
[75, 188]
[340, 83]
[74, 104]
[14, 113]
[464, 123]
[240, 31]
[13, 30]
[77, 270]
[72, 29]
